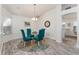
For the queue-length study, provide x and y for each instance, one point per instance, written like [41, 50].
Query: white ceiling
[28, 9]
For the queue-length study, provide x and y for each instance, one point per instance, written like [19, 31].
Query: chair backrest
[41, 33]
[28, 32]
[23, 34]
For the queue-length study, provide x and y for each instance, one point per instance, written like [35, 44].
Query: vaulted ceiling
[28, 9]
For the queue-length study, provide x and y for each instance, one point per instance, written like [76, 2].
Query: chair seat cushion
[28, 39]
[31, 35]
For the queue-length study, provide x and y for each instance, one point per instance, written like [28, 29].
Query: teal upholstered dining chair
[28, 33]
[40, 36]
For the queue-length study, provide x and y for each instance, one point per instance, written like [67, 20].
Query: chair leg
[38, 43]
[32, 42]
[24, 44]
[43, 41]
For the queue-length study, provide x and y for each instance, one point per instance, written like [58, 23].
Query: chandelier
[35, 17]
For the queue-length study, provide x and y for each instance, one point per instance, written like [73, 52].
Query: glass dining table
[37, 44]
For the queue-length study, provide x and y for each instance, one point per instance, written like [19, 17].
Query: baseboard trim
[71, 36]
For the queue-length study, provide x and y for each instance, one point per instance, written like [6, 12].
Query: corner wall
[17, 24]
[55, 29]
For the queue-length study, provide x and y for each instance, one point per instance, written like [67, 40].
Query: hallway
[70, 41]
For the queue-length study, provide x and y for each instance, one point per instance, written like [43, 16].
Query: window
[6, 26]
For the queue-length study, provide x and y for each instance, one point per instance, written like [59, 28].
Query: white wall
[0, 30]
[0, 21]
[77, 45]
[54, 16]
[17, 25]
[4, 15]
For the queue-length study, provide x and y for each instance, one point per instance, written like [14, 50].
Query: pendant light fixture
[34, 18]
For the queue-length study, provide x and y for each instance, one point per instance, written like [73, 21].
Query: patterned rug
[33, 48]
[15, 47]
